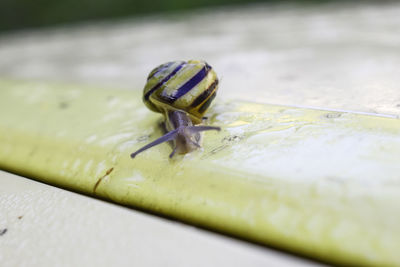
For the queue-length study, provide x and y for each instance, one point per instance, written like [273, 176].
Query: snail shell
[182, 91]
[188, 86]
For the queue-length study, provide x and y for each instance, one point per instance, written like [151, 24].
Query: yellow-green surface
[321, 183]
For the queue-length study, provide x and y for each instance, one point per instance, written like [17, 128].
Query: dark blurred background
[21, 14]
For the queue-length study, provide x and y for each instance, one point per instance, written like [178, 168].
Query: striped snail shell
[182, 91]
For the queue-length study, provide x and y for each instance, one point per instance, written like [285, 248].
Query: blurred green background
[20, 14]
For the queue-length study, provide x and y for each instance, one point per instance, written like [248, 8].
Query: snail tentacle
[172, 153]
[167, 137]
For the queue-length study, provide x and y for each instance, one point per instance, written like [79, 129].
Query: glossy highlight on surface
[321, 183]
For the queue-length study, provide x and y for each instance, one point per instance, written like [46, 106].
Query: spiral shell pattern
[179, 85]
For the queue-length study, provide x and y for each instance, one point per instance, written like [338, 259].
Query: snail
[182, 91]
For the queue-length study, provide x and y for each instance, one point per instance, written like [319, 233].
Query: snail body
[182, 91]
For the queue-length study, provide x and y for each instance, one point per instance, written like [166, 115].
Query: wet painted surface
[317, 182]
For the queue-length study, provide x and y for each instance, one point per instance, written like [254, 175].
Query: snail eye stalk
[187, 132]
[167, 137]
